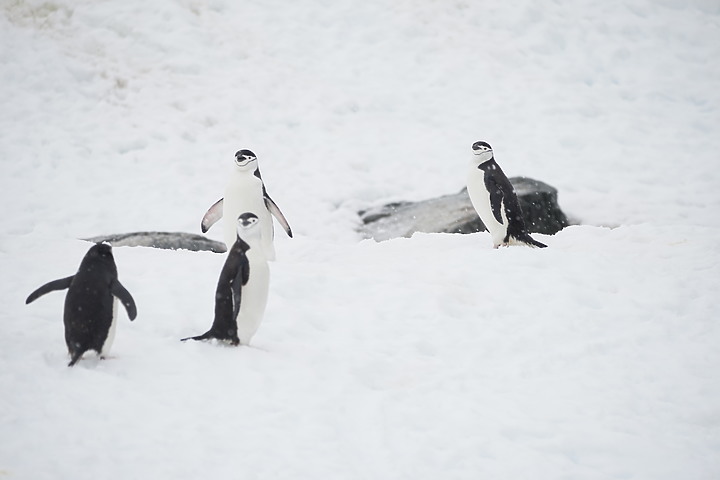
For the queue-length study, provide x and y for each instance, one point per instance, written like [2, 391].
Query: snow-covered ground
[423, 358]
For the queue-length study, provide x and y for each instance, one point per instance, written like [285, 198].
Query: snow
[429, 357]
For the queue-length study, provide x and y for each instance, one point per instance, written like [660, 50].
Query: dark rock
[455, 213]
[164, 240]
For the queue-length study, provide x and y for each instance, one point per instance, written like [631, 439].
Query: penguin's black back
[89, 301]
[502, 193]
[228, 295]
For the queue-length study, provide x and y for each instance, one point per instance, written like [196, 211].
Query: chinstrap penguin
[495, 201]
[246, 192]
[90, 314]
[242, 289]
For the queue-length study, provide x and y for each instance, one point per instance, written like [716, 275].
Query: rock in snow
[455, 213]
[164, 240]
[447, 214]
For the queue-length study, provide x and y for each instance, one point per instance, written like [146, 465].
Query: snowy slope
[424, 358]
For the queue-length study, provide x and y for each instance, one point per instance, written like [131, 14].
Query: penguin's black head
[99, 257]
[102, 250]
[245, 158]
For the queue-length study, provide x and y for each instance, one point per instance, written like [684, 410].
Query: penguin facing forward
[495, 201]
[242, 289]
[246, 192]
[90, 314]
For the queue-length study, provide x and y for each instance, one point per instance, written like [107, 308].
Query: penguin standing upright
[495, 201]
[246, 192]
[242, 289]
[90, 314]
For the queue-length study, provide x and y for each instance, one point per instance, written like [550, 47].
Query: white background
[424, 358]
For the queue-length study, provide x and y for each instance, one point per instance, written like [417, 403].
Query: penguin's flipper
[244, 273]
[236, 300]
[241, 279]
[211, 217]
[496, 203]
[117, 289]
[275, 211]
[60, 284]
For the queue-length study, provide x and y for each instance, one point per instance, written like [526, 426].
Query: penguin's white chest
[253, 297]
[480, 198]
[105, 350]
[244, 193]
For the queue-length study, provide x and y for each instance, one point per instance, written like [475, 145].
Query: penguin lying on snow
[90, 314]
[246, 192]
[495, 200]
[242, 290]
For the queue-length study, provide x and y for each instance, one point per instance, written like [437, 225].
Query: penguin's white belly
[480, 198]
[253, 299]
[244, 194]
[105, 350]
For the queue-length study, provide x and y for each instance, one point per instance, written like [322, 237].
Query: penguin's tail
[204, 336]
[231, 339]
[528, 240]
[75, 356]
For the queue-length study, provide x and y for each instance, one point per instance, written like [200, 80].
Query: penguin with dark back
[495, 201]
[90, 314]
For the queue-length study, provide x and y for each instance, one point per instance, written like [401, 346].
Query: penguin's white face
[245, 159]
[482, 152]
[247, 224]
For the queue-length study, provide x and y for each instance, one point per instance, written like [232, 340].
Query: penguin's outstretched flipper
[275, 211]
[60, 284]
[212, 216]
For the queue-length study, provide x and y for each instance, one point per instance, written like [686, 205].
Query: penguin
[242, 289]
[90, 314]
[246, 192]
[495, 201]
